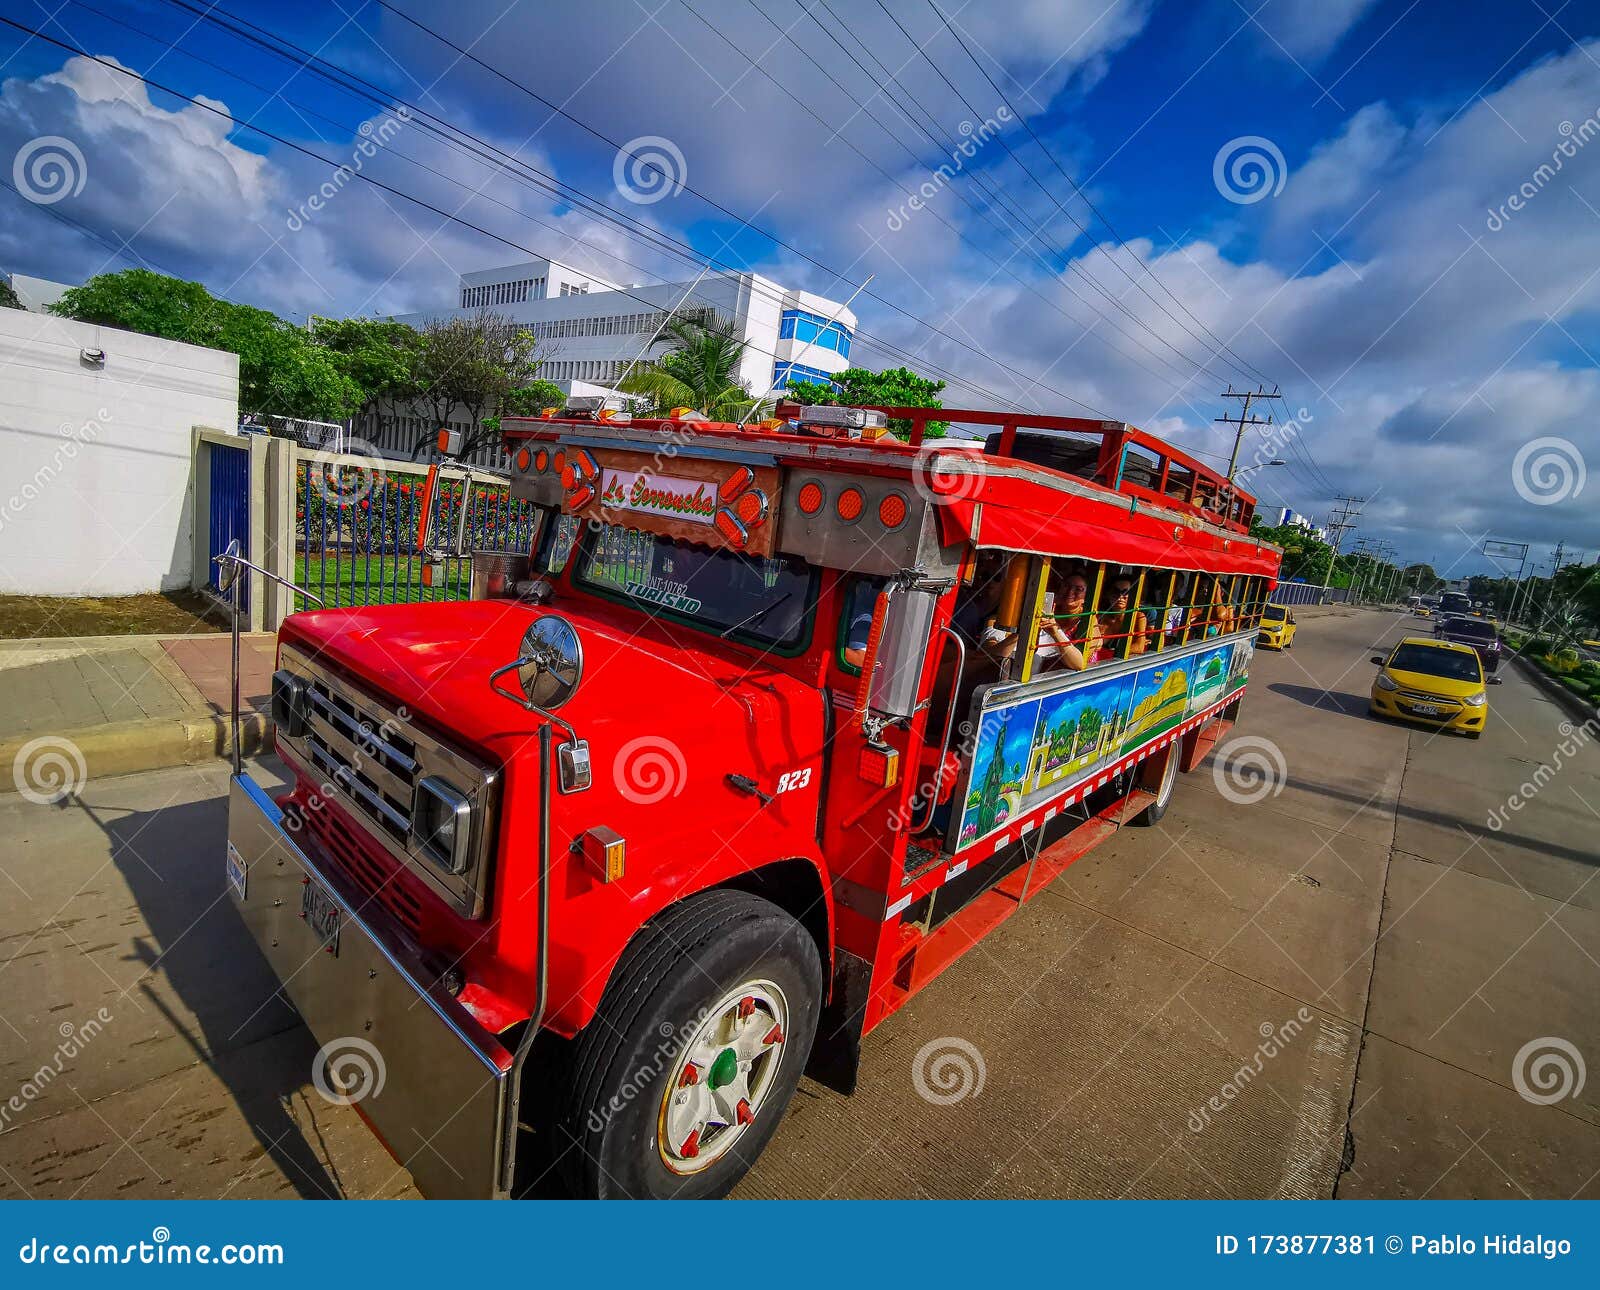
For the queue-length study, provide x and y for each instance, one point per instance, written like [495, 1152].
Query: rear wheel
[699, 1042]
[1163, 782]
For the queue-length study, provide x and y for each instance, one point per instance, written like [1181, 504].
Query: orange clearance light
[603, 850]
[558, 463]
[751, 507]
[892, 511]
[541, 460]
[811, 497]
[579, 497]
[678, 414]
[849, 505]
[524, 460]
[736, 483]
[547, 413]
[449, 441]
[880, 765]
[732, 530]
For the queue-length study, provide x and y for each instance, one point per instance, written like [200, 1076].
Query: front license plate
[1423, 710]
[321, 913]
[236, 870]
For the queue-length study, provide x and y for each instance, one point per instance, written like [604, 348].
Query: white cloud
[1305, 29]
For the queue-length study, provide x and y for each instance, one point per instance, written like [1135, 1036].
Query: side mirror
[1494, 680]
[1378, 659]
[902, 626]
[228, 567]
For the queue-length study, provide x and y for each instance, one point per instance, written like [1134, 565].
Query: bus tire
[1163, 786]
[694, 1053]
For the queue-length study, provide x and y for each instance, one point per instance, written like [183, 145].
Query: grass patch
[377, 580]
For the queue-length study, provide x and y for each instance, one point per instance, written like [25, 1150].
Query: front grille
[1429, 700]
[366, 871]
[370, 756]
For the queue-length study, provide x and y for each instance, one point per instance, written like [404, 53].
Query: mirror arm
[225, 558]
[522, 701]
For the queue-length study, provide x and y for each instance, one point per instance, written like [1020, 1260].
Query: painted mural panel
[1031, 749]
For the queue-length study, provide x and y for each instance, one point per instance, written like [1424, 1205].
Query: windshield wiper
[757, 616]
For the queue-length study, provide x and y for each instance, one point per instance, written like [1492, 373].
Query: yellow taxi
[1433, 683]
[1277, 628]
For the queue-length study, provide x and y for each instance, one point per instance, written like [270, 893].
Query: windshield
[1453, 665]
[1272, 614]
[746, 598]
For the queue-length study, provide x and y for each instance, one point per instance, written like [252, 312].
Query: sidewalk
[127, 703]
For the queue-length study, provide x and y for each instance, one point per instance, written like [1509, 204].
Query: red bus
[768, 727]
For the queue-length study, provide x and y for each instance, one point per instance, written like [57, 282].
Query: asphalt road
[1323, 991]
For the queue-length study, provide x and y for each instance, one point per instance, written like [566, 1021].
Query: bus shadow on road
[1349, 705]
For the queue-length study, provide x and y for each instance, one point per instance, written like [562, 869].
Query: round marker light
[892, 511]
[849, 505]
[811, 497]
[524, 459]
[541, 460]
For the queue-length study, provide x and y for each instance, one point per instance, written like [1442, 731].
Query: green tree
[8, 294]
[474, 363]
[896, 387]
[380, 355]
[526, 401]
[280, 370]
[699, 370]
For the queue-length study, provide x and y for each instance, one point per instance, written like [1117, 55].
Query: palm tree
[699, 371]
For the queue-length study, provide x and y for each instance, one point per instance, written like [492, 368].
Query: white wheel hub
[723, 1076]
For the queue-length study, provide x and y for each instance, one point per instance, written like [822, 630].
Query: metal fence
[356, 527]
[1308, 593]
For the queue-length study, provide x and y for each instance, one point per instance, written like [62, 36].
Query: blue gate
[230, 510]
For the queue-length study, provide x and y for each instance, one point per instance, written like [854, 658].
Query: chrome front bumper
[435, 1085]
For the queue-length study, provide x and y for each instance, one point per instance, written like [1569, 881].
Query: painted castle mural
[1031, 750]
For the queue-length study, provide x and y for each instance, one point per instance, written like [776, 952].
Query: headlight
[1476, 700]
[441, 824]
[1386, 682]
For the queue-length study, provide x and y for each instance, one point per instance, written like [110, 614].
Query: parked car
[1479, 634]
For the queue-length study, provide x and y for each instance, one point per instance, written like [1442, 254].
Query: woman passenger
[1123, 622]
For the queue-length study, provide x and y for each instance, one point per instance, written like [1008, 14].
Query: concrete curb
[1568, 701]
[133, 746]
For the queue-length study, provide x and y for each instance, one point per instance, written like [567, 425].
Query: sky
[1120, 209]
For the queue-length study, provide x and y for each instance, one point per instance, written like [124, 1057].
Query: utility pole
[1337, 526]
[1244, 419]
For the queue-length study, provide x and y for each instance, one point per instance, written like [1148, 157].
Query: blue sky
[1434, 363]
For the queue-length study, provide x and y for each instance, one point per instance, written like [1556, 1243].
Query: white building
[36, 294]
[1293, 519]
[589, 329]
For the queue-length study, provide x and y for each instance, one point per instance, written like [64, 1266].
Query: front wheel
[682, 1077]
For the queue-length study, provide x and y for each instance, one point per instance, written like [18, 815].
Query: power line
[1220, 343]
[1338, 526]
[1244, 420]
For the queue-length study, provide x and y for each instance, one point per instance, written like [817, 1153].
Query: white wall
[96, 464]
